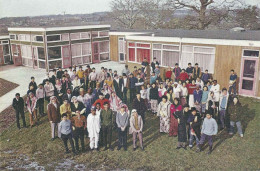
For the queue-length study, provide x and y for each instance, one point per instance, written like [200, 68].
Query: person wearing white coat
[216, 89]
[93, 125]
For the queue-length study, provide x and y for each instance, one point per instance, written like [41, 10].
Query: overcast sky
[16, 8]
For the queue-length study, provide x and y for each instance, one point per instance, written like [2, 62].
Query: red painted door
[248, 76]
[95, 50]
[17, 57]
[66, 57]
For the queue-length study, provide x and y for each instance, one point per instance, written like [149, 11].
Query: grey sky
[15, 8]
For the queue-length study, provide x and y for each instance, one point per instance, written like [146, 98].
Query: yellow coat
[65, 109]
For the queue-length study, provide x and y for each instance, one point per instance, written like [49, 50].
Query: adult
[196, 72]
[40, 99]
[139, 105]
[18, 105]
[93, 78]
[132, 88]
[164, 113]
[49, 90]
[101, 100]
[54, 116]
[154, 97]
[232, 82]
[175, 107]
[122, 123]
[31, 104]
[67, 95]
[124, 84]
[66, 108]
[126, 71]
[235, 111]
[136, 128]
[33, 83]
[177, 71]
[106, 116]
[59, 73]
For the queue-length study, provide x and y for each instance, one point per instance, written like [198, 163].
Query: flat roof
[204, 34]
[56, 28]
[4, 37]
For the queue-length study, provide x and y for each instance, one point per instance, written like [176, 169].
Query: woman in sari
[175, 107]
[164, 114]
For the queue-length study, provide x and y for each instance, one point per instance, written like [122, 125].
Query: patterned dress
[164, 113]
[173, 120]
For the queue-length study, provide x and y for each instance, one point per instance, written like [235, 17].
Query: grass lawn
[230, 152]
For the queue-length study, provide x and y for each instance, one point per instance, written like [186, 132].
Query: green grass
[230, 152]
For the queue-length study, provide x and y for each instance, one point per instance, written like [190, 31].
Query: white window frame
[250, 56]
[53, 35]
[135, 47]
[4, 42]
[26, 49]
[168, 50]
[103, 31]
[193, 54]
[124, 47]
[34, 39]
[15, 36]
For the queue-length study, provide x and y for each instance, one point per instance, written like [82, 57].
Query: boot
[210, 150]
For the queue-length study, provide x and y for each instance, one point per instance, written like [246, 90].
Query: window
[15, 50]
[42, 64]
[41, 53]
[166, 54]
[75, 36]
[38, 38]
[77, 61]
[26, 51]
[94, 34]
[6, 49]
[139, 51]
[85, 35]
[53, 38]
[55, 64]
[121, 49]
[204, 56]
[54, 53]
[5, 42]
[24, 37]
[76, 50]
[65, 37]
[104, 46]
[251, 53]
[86, 49]
[104, 56]
[13, 37]
[103, 34]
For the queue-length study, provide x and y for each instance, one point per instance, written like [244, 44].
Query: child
[93, 125]
[65, 129]
[161, 91]
[183, 75]
[223, 106]
[144, 94]
[136, 128]
[209, 128]
[154, 96]
[148, 96]
[204, 99]
[184, 94]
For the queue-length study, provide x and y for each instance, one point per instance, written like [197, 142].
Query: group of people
[190, 105]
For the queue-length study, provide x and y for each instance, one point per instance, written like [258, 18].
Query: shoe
[178, 148]
[190, 146]
[134, 149]
[241, 135]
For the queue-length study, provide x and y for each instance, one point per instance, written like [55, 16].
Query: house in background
[5, 51]
[54, 47]
[219, 51]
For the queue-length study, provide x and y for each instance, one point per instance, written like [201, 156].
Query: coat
[182, 136]
[195, 125]
[154, 94]
[53, 113]
[18, 104]
[132, 124]
[93, 125]
[221, 98]
[49, 90]
[140, 106]
[235, 112]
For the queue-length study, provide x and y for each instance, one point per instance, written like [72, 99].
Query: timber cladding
[114, 48]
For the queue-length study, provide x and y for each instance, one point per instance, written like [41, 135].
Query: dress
[173, 120]
[164, 113]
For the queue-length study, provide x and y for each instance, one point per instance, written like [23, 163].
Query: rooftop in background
[56, 28]
[204, 34]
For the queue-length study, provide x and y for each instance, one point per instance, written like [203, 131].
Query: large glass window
[76, 50]
[75, 36]
[41, 53]
[139, 51]
[26, 51]
[54, 52]
[39, 38]
[53, 38]
[55, 64]
[6, 49]
[251, 53]
[104, 46]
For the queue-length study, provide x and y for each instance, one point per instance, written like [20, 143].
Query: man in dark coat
[32, 83]
[18, 105]
[117, 85]
[182, 133]
[140, 106]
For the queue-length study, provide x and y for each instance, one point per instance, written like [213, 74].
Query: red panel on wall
[131, 54]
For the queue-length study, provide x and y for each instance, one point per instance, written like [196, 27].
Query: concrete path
[22, 75]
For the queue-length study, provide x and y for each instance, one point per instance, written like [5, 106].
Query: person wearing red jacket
[168, 74]
[101, 101]
[183, 75]
[191, 87]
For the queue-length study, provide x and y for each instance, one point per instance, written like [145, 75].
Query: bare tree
[125, 12]
[207, 11]
[156, 13]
